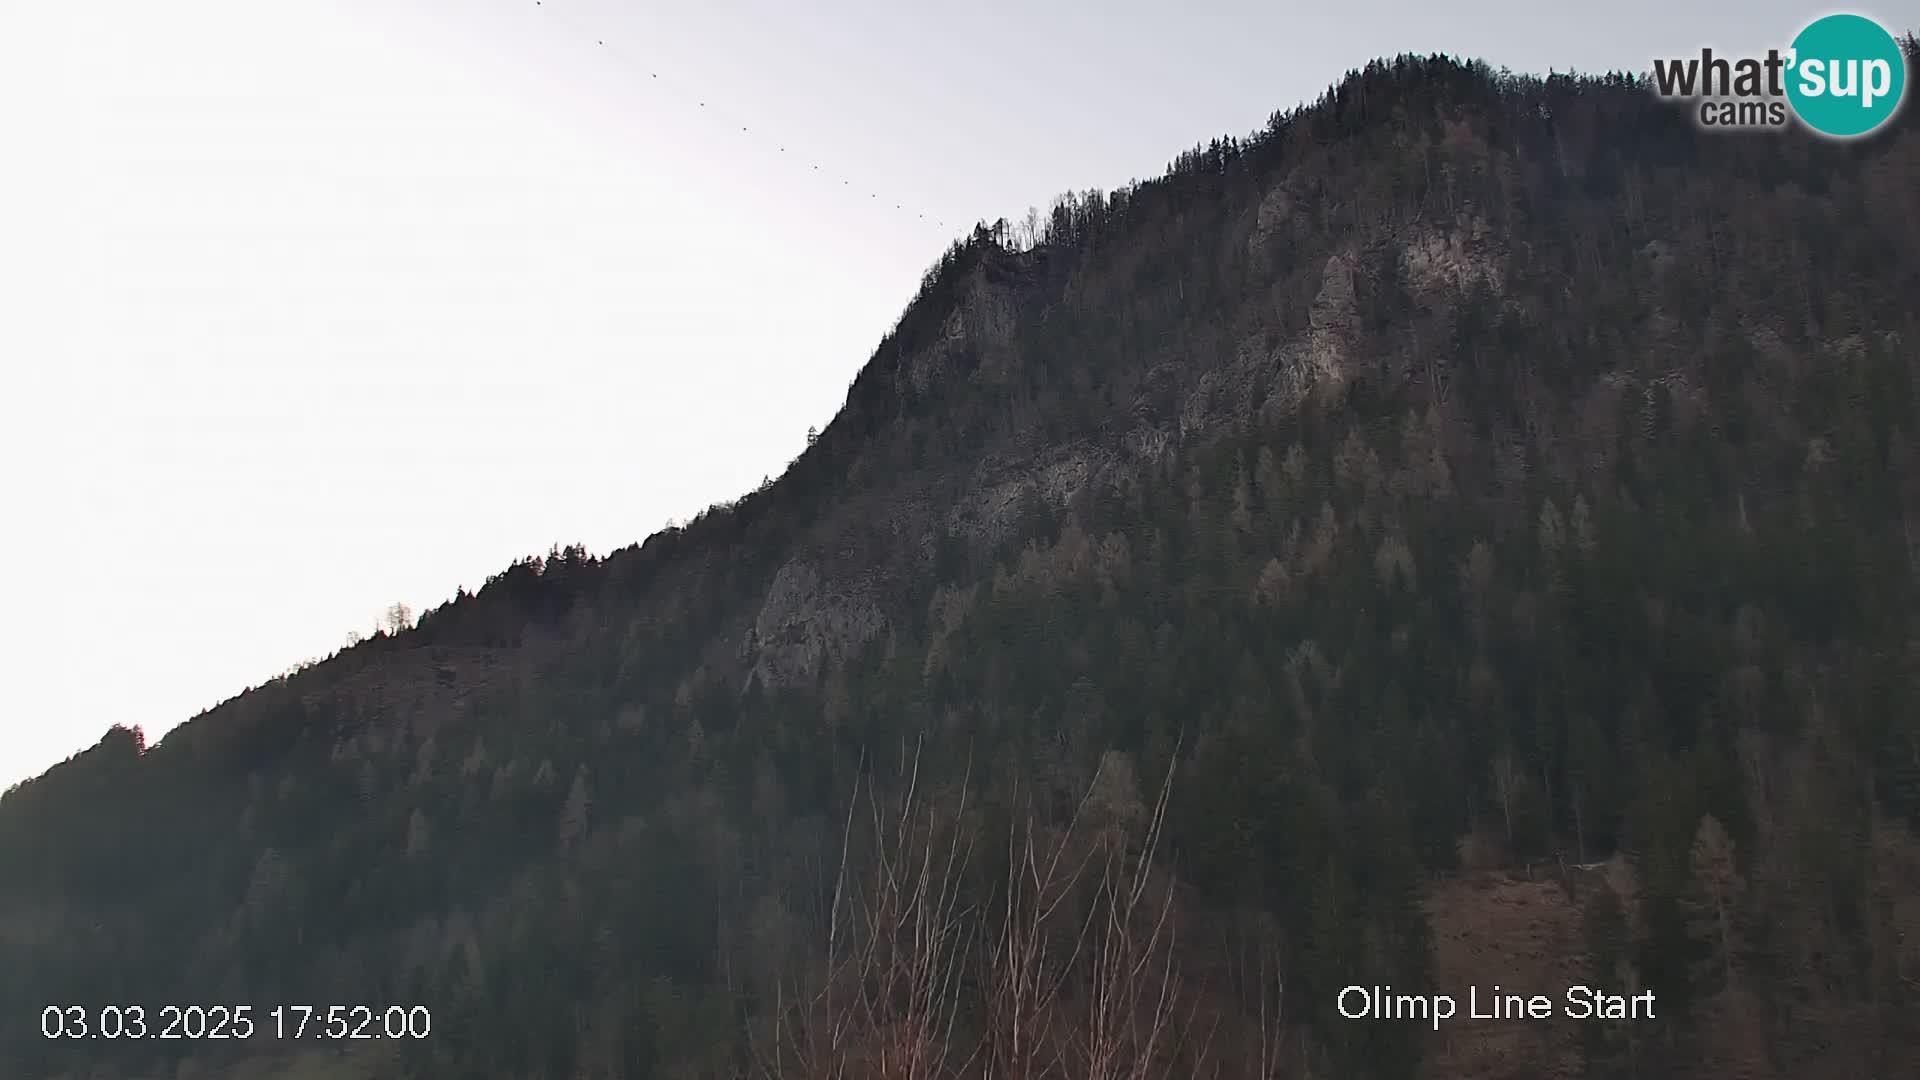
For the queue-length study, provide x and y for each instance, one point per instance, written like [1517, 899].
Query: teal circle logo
[1848, 75]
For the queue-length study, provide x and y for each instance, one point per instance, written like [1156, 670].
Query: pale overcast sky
[307, 307]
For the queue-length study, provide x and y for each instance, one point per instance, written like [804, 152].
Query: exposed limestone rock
[1060, 480]
[946, 612]
[1273, 213]
[806, 620]
[993, 513]
[1318, 359]
[1198, 406]
[983, 320]
[1332, 318]
[1147, 444]
[1456, 259]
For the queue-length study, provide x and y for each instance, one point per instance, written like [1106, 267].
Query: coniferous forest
[1466, 533]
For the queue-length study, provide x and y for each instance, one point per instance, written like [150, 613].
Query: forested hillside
[1467, 532]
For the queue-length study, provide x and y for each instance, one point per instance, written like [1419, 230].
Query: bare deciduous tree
[1507, 781]
[1070, 968]
[399, 618]
[887, 998]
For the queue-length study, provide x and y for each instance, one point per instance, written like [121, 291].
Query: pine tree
[1608, 1044]
[419, 834]
[574, 812]
[1717, 888]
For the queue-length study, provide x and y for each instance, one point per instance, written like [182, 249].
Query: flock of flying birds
[900, 206]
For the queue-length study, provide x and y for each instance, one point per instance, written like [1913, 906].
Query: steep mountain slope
[1468, 483]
